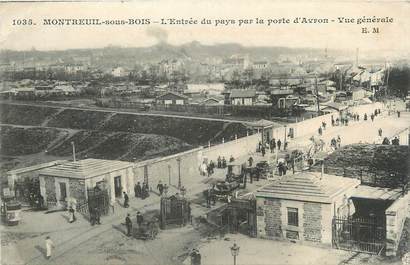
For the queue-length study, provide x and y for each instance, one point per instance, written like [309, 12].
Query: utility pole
[73, 145]
[317, 97]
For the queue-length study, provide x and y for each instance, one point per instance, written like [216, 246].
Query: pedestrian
[398, 114]
[223, 162]
[263, 150]
[231, 159]
[128, 224]
[365, 117]
[208, 170]
[138, 190]
[272, 145]
[333, 122]
[140, 219]
[259, 146]
[324, 125]
[320, 131]
[208, 198]
[395, 141]
[97, 215]
[386, 141]
[285, 145]
[72, 215]
[160, 188]
[372, 117]
[219, 161]
[279, 143]
[212, 165]
[126, 200]
[339, 141]
[380, 132]
[92, 216]
[250, 161]
[49, 246]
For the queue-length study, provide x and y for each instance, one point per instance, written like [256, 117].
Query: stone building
[70, 180]
[301, 207]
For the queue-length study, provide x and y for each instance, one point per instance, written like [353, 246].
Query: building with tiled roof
[301, 206]
[71, 179]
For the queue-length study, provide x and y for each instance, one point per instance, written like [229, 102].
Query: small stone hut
[301, 207]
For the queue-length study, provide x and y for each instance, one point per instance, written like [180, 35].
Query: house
[279, 97]
[16, 176]
[119, 72]
[301, 207]
[212, 101]
[70, 180]
[171, 98]
[358, 93]
[243, 96]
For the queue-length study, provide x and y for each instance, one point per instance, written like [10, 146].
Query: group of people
[395, 141]
[128, 222]
[272, 145]
[141, 191]
[221, 162]
[336, 142]
[162, 188]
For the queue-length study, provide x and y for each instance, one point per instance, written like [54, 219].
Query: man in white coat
[49, 247]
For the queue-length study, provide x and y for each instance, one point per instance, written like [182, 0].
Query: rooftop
[307, 186]
[243, 93]
[84, 169]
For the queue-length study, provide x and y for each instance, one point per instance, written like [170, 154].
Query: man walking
[140, 219]
[128, 224]
[279, 144]
[380, 132]
[49, 247]
[160, 188]
[126, 200]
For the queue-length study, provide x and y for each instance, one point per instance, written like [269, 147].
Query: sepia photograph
[158, 132]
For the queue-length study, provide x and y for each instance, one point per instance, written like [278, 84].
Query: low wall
[236, 148]
[311, 126]
[396, 215]
[167, 169]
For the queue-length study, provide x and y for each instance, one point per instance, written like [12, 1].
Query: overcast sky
[393, 36]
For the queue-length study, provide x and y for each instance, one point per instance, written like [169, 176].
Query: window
[293, 216]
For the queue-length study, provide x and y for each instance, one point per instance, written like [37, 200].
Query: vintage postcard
[191, 132]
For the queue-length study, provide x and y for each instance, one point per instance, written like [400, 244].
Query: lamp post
[234, 252]
[179, 172]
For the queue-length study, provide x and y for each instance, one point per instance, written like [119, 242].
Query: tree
[399, 81]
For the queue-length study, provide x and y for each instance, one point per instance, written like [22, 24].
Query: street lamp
[234, 252]
[179, 172]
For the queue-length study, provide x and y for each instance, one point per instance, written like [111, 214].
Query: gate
[366, 235]
[241, 211]
[174, 211]
[98, 198]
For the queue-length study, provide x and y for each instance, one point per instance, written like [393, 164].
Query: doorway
[63, 191]
[117, 186]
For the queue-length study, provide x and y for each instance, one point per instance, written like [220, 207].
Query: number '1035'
[22, 22]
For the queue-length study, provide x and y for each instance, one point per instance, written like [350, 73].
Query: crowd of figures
[141, 191]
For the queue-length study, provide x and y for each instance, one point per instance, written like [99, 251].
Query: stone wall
[396, 216]
[269, 221]
[77, 189]
[312, 222]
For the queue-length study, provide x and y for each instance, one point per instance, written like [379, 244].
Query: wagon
[147, 230]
